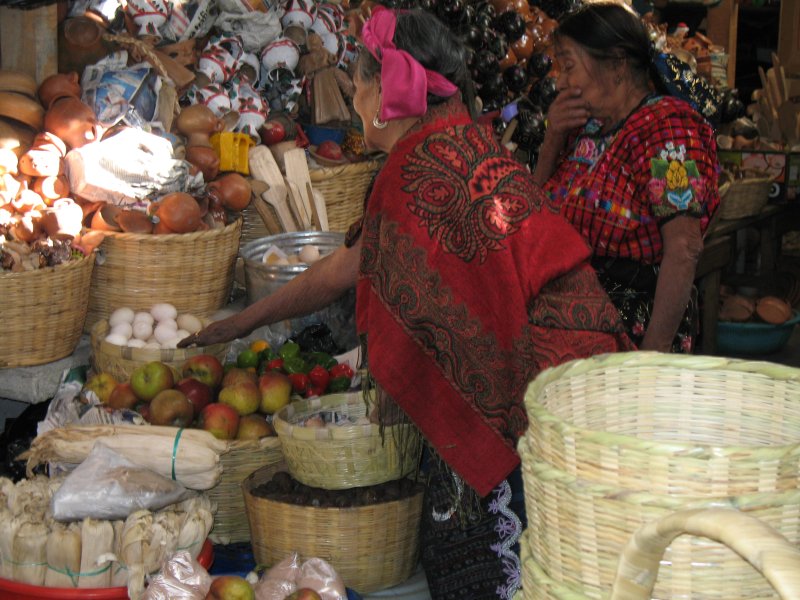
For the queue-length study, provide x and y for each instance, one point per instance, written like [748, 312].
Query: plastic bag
[181, 578]
[108, 486]
[289, 575]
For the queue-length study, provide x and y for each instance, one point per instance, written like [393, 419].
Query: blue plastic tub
[754, 338]
[317, 134]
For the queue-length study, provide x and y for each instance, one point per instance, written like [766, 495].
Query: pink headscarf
[404, 82]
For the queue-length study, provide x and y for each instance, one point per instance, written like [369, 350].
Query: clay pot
[27, 227]
[523, 47]
[8, 161]
[58, 86]
[773, 310]
[105, 218]
[73, 121]
[80, 43]
[51, 188]
[179, 212]
[232, 190]
[737, 308]
[134, 221]
[197, 122]
[40, 163]
[15, 136]
[161, 228]
[63, 218]
[27, 201]
[205, 159]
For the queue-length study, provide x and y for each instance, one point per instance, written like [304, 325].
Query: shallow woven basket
[192, 271]
[345, 189]
[621, 440]
[745, 198]
[762, 547]
[120, 361]
[43, 312]
[242, 458]
[371, 547]
[343, 456]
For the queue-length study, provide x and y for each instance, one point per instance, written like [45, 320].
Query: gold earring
[377, 123]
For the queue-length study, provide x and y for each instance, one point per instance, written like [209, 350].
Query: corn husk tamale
[29, 553]
[9, 524]
[135, 544]
[6, 490]
[63, 555]
[196, 527]
[171, 522]
[97, 542]
[119, 573]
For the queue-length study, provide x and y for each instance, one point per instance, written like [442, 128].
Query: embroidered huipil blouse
[618, 188]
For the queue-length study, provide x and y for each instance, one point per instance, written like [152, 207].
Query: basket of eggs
[749, 326]
[182, 252]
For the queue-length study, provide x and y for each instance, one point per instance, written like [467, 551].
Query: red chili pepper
[319, 377]
[300, 382]
[275, 363]
[314, 390]
[341, 370]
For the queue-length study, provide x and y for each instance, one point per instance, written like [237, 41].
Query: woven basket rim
[73, 263]
[284, 427]
[655, 359]
[167, 237]
[355, 167]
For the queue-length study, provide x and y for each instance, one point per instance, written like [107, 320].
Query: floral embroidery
[587, 151]
[509, 529]
[674, 183]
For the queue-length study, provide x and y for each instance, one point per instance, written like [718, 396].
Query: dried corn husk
[6, 491]
[31, 496]
[195, 530]
[170, 521]
[192, 459]
[63, 555]
[97, 542]
[29, 553]
[119, 572]
[9, 524]
[135, 549]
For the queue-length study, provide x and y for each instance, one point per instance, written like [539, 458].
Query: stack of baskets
[746, 196]
[345, 190]
[621, 440]
[192, 271]
[372, 547]
[44, 312]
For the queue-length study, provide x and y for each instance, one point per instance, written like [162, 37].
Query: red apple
[198, 393]
[330, 149]
[236, 374]
[230, 587]
[220, 420]
[243, 396]
[123, 397]
[304, 594]
[144, 409]
[276, 390]
[149, 379]
[253, 427]
[171, 407]
[205, 368]
[272, 132]
[102, 385]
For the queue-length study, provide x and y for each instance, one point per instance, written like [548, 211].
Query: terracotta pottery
[232, 190]
[22, 108]
[197, 122]
[17, 81]
[63, 218]
[205, 159]
[10, 185]
[73, 121]
[80, 43]
[8, 161]
[179, 212]
[51, 188]
[737, 308]
[57, 86]
[27, 201]
[15, 136]
[523, 47]
[134, 221]
[773, 310]
[105, 218]
[27, 227]
[40, 163]
[508, 60]
[160, 228]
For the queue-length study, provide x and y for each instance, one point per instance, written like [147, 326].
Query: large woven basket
[621, 440]
[192, 271]
[762, 547]
[43, 312]
[745, 197]
[120, 361]
[345, 189]
[371, 547]
[343, 456]
[242, 459]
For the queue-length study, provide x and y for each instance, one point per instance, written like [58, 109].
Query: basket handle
[758, 543]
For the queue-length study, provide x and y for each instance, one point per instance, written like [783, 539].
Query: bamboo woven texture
[371, 547]
[120, 361]
[337, 457]
[43, 312]
[620, 440]
[345, 190]
[745, 198]
[192, 271]
[242, 458]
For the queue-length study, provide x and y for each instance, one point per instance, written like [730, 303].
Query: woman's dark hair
[609, 31]
[434, 46]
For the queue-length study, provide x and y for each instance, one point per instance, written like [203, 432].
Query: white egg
[182, 333]
[163, 333]
[190, 323]
[163, 311]
[144, 317]
[142, 330]
[169, 323]
[124, 329]
[136, 343]
[152, 345]
[171, 343]
[308, 254]
[116, 339]
[121, 315]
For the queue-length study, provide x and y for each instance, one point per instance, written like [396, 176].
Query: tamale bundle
[97, 544]
[196, 527]
[119, 573]
[134, 545]
[29, 553]
[63, 553]
[9, 524]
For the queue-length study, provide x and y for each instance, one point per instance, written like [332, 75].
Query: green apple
[243, 396]
[149, 379]
[254, 427]
[230, 587]
[102, 385]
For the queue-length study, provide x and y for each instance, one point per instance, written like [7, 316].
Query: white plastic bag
[289, 575]
[108, 486]
[181, 578]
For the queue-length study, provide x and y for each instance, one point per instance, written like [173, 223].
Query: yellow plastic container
[232, 149]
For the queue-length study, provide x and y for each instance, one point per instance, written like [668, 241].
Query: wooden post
[29, 40]
[723, 25]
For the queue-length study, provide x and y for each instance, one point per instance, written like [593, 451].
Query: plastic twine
[175, 451]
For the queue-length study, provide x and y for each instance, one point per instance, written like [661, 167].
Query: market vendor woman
[466, 288]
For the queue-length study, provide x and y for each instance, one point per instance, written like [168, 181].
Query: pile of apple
[231, 405]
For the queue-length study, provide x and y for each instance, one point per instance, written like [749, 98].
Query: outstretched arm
[316, 287]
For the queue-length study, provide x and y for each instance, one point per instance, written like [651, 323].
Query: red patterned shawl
[468, 289]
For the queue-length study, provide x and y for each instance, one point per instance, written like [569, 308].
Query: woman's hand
[216, 333]
[567, 113]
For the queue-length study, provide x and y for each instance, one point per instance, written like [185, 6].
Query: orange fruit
[259, 345]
